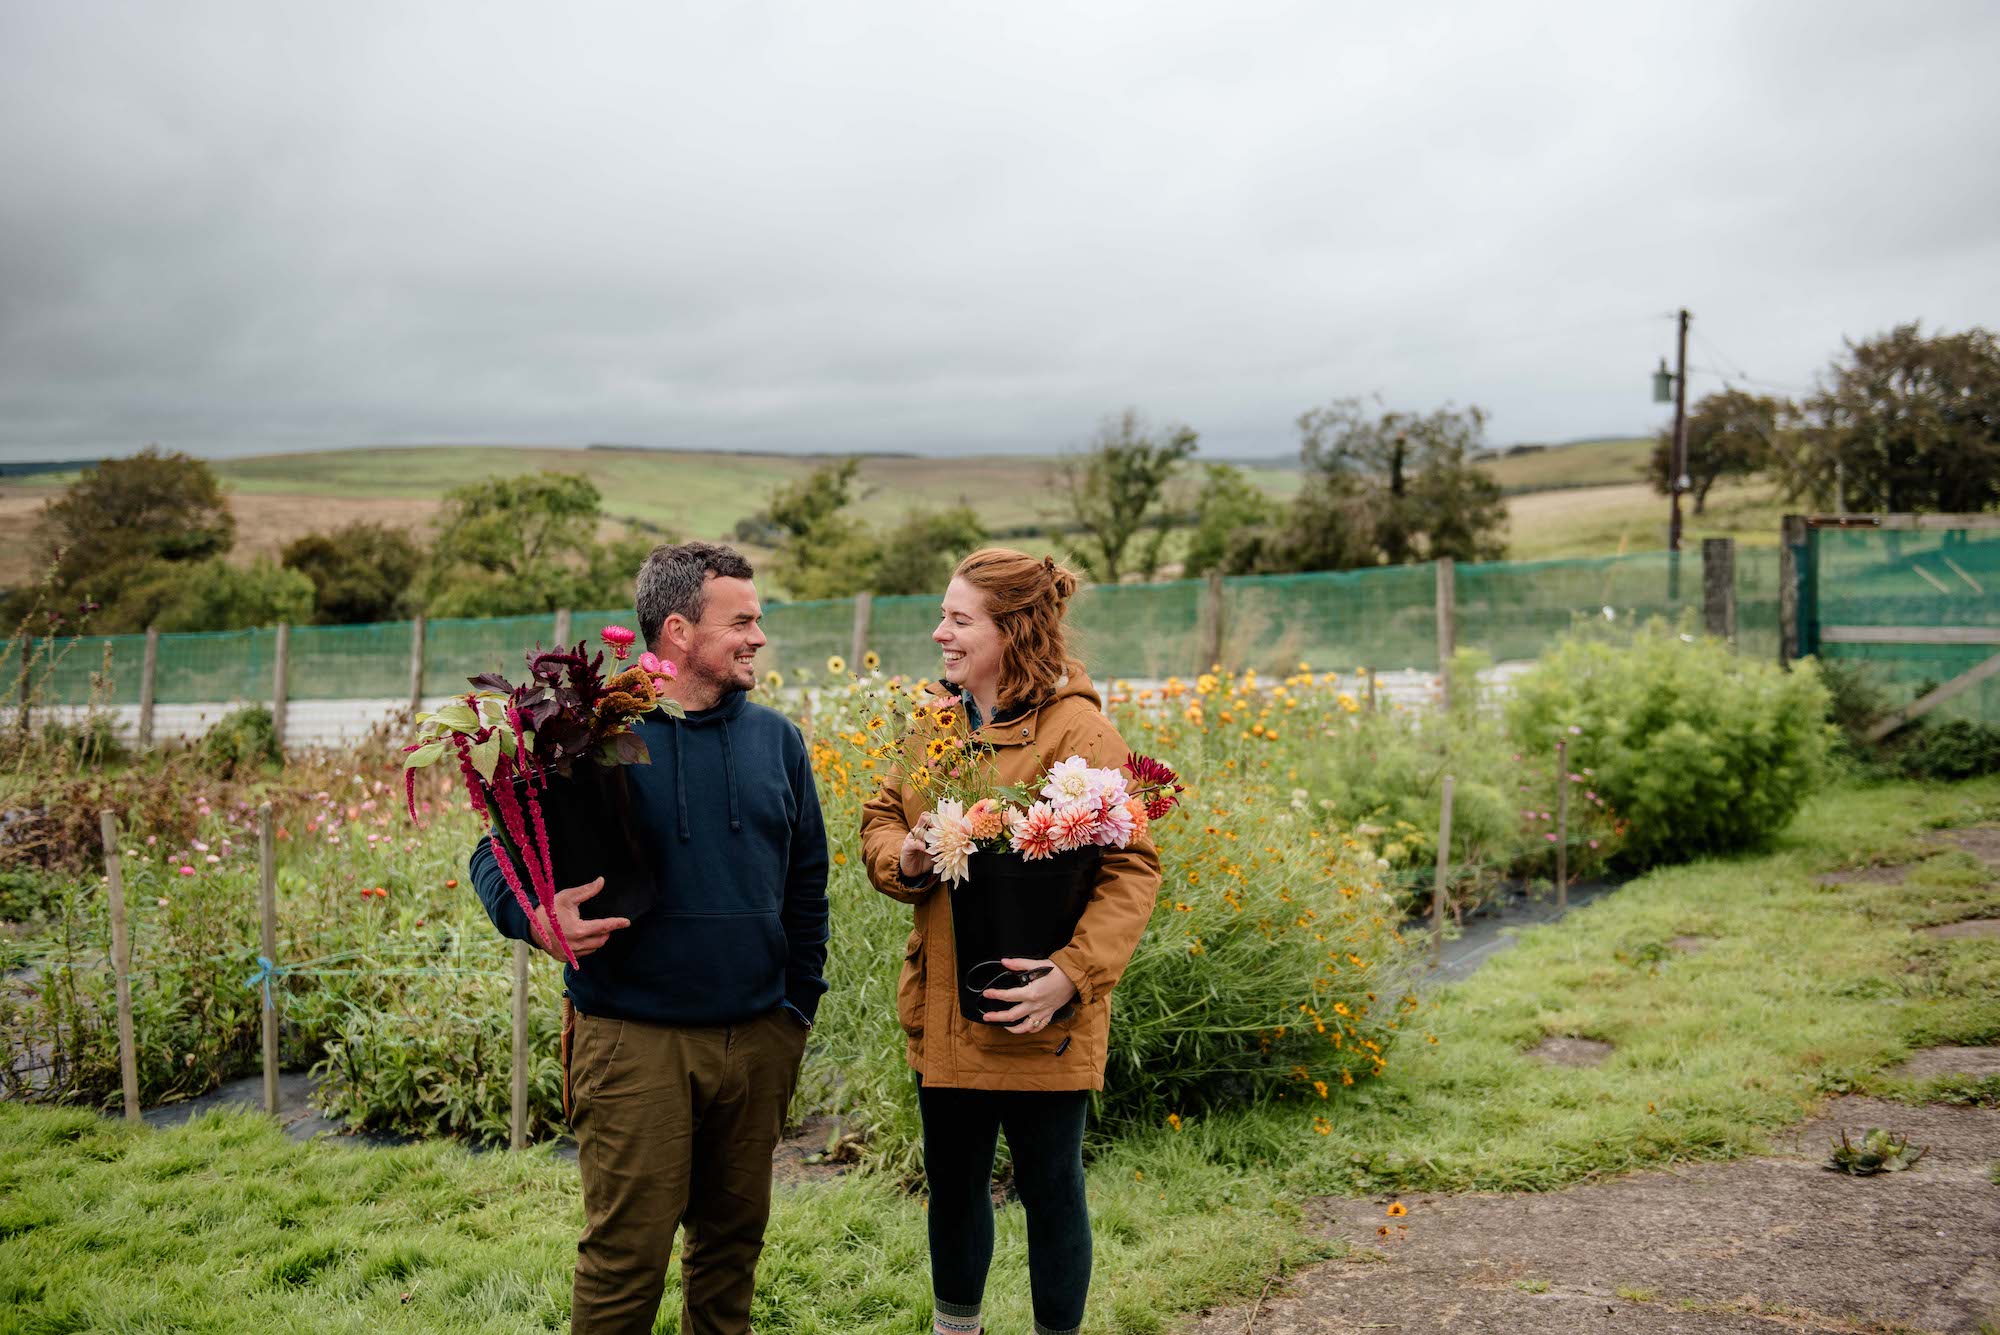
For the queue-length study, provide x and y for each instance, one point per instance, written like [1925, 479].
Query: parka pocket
[910, 987]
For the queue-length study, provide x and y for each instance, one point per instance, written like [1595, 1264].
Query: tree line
[1902, 422]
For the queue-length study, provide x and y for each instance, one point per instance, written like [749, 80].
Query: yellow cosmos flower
[836, 665]
[871, 660]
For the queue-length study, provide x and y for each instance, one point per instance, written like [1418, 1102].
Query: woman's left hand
[1036, 1003]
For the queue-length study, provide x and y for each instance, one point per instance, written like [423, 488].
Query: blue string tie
[266, 971]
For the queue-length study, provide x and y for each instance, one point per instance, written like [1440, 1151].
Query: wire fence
[1383, 618]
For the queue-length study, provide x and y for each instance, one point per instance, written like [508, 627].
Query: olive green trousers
[675, 1127]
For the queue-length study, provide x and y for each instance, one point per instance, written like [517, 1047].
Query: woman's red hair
[1027, 599]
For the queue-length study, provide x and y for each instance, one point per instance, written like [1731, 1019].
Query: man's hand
[915, 857]
[585, 935]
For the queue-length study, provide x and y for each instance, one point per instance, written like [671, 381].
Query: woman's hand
[1037, 1003]
[915, 858]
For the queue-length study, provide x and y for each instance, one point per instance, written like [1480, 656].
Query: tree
[122, 515]
[1906, 423]
[919, 554]
[823, 551]
[1730, 434]
[826, 552]
[209, 595]
[1228, 506]
[1395, 488]
[362, 572]
[513, 546]
[1114, 489]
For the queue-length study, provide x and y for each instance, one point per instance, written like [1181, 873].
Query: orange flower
[1396, 1210]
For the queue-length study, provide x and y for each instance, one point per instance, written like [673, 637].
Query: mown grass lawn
[1799, 990]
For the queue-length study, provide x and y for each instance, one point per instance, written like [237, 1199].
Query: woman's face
[969, 639]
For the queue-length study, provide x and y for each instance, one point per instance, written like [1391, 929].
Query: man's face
[722, 647]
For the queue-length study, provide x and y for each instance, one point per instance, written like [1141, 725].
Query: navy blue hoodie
[728, 808]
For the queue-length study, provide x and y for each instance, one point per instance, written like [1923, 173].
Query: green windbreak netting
[465, 647]
[1936, 582]
[1383, 618]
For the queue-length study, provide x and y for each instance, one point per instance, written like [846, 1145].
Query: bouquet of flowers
[1076, 806]
[548, 752]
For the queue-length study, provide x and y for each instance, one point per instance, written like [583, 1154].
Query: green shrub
[1956, 749]
[91, 742]
[1699, 750]
[242, 741]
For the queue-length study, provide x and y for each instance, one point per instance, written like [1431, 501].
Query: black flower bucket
[1013, 908]
[588, 816]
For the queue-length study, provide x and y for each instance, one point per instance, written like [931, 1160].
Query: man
[690, 1019]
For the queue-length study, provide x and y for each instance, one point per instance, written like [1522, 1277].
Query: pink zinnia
[619, 638]
[1034, 831]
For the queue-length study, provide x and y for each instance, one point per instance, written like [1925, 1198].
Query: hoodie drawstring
[680, 784]
[729, 775]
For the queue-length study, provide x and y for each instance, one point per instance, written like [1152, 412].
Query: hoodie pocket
[737, 957]
[910, 987]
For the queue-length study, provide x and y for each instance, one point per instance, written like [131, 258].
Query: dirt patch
[1981, 841]
[800, 1156]
[1565, 1051]
[1689, 945]
[1979, 1063]
[1866, 876]
[1967, 929]
[1766, 1245]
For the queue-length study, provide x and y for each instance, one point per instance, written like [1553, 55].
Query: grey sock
[954, 1318]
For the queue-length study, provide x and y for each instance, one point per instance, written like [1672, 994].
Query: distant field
[1588, 463]
[1570, 500]
[1632, 517]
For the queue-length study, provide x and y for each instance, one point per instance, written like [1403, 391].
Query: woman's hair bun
[1061, 579]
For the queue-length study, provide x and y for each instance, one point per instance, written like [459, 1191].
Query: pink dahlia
[986, 819]
[1034, 833]
[1074, 825]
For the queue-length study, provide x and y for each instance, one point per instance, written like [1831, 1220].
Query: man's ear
[676, 634]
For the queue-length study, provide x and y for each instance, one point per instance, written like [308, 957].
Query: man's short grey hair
[674, 581]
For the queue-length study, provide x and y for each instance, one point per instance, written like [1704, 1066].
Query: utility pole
[1679, 482]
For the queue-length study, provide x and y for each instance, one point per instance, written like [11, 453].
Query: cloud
[245, 227]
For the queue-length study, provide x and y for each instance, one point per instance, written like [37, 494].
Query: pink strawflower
[186, 870]
[657, 666]
[1034, 833]
[619, 638]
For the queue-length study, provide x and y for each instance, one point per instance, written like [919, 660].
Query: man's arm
[496, 895]
[804, 914]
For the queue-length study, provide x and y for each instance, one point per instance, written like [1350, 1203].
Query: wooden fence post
[1562, 826]
[1718, 587]
[279, 674]
[562, 628]
[25, 687]
[1369, 673]
[1790, 535]
[1447, 623]
[517, 1121]
[148, 670]
[121, 964]
[1443, 872]
[857, 646]
[417, 666]
[1213, 624]
[267, 909]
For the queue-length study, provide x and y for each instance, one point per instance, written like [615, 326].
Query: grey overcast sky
[238, 228]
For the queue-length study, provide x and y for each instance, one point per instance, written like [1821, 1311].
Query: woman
[1029, 1067]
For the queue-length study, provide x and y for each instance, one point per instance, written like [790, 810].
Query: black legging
[1045, 1133]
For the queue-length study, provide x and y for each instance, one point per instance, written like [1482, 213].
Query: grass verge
[1797, 990]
